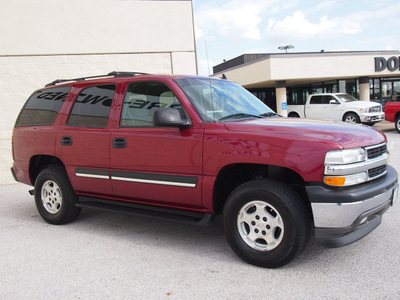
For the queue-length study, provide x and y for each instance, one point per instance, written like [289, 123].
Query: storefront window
[396, 91]
[351, 87]
[386, 89]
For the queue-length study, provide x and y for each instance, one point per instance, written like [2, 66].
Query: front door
[151, 164]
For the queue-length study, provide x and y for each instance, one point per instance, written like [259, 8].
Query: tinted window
[92, 107]
[42, 107]
[316, 100]
[142, 99]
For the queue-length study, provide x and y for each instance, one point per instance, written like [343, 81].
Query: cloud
[297, 27]
[205, 67]
[233, 19]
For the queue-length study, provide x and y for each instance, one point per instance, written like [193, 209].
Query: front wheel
[351, 118]
[397, 124]
[54, 196]
[266, 223]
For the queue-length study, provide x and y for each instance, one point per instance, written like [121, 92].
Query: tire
[266, 223]
[351, 118]
[54, 196]
[397, 124]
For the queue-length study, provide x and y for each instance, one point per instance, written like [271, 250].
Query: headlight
[344, 157]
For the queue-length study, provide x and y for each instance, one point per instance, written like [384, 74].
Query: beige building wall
[305, 68]
[46, 40]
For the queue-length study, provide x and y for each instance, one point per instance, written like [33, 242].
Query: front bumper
[372, 117]
[343, 216]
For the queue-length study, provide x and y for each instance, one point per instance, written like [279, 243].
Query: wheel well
[230, 177]
[293, 114]
[40, 162]
[397, 115]
[349, 112]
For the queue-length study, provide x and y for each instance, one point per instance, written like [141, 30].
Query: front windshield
[346, 98]
[220, 100]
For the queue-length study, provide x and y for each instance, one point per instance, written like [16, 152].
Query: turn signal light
[336, 181]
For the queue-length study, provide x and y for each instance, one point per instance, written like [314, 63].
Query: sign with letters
[392, 64]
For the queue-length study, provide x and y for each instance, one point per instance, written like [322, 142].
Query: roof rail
[111, 74]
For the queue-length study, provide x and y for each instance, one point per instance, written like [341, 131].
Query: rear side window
[42, 107]
[92, 107]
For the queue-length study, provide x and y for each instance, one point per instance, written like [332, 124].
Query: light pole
[286, 47]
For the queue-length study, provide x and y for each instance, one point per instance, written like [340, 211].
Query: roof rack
[111, 74]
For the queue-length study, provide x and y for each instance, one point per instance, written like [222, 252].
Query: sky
[226, 29]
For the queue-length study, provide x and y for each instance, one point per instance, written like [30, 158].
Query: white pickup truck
[338, 107]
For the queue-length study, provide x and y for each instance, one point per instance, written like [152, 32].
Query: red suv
[188, 148]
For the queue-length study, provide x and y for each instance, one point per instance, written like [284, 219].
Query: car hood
[347, 135]
[361, 104]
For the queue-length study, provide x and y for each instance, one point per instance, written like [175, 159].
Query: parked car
[188, 148]
[338, 107]
[392, 112]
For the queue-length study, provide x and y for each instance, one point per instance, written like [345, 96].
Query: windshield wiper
[269, 114]
[239, 115]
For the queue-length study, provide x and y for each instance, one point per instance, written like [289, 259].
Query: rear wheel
[397, 124]
[54, 196]
[351, 118]
[266, 223]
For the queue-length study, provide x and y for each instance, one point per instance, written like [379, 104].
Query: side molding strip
[160, 179]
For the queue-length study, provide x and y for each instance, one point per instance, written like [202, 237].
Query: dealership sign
[392, 63]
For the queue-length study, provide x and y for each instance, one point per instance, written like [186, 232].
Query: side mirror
[170, 117]
[334, 102]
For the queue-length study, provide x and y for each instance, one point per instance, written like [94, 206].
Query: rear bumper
[343, 216]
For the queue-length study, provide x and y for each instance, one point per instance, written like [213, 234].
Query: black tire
[275, 201]
[351, 118]
[397, 124]
[54, 196]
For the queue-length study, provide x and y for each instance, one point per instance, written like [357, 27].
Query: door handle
[119, 142]
[67, 140]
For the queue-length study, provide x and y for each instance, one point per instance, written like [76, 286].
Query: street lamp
[286, 47]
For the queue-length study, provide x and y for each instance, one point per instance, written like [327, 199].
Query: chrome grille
[377, 171]
[377, 151]
[375, 109]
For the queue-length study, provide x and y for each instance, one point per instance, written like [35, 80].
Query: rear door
[159, 165]
[83, 143]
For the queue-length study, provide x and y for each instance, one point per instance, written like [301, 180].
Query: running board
[160, 213]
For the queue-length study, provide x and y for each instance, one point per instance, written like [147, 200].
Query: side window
[42, 107]
[92, 107]
[326, 99]
[142, 99]
[316, 100]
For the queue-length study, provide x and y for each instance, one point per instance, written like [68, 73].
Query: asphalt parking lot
[107, 255]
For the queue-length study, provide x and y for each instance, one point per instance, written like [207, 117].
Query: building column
[364, 88]
[281, 100]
